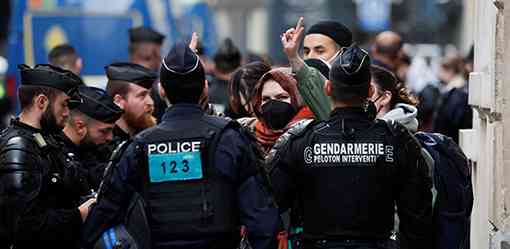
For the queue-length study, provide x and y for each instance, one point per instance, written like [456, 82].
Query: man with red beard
[90, 125]
[39, 190]
[129, 84]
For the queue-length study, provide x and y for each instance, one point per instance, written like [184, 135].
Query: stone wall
[488, 143]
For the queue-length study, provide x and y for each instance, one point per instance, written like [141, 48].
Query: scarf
[266, 137]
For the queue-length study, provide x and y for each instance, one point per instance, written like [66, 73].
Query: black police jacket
[38, 197]
[188, 207]
[85, 162]
[347, 174]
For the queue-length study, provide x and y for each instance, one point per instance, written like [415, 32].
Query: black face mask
[372, 109]
[277, 114]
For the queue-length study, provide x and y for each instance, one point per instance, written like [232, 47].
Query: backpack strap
[427, 141]
[112, 163]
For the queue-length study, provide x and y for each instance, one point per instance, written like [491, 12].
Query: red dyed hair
[287, 82]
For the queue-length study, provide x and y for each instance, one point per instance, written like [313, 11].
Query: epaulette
[39, 139]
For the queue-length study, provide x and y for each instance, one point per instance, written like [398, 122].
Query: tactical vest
[29, 169]
[187, 197]
[348, 178]
[19, 181]
[32, 154]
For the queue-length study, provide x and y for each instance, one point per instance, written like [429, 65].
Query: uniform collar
[17, 123]
[119, 133]
[182, 110]
[349, 113]
[65, 139]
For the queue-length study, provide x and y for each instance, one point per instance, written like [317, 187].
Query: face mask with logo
[277, 114]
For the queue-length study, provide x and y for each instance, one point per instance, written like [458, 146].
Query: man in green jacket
[310, 80]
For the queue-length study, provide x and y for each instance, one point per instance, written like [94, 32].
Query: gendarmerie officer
[88, 127]
[129, 85]
[39, 197]
[145, 50]
[195, 172]
[347, 173]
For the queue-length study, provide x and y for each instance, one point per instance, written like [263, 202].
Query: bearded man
[39, 185]
[129, 84]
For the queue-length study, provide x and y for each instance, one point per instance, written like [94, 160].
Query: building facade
[488, 144]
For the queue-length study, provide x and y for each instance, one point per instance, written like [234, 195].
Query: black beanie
[350, 74]
[334, 30]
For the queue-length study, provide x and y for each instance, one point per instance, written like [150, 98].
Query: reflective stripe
[112, 236]
[106, 240]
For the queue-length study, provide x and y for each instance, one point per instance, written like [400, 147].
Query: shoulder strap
[114, 158]
[117, 152]
[295, 131]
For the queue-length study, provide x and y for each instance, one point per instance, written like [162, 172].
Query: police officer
[348, 172]
[195, 172]
[129, 84]
[39, 201]
[145, 50]
[90, 125]
[145, 47]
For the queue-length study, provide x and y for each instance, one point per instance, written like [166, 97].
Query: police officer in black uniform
[145, 50]
[347, 173]
[90, 125]
[129, 84]
[195, 172]
[39, 197]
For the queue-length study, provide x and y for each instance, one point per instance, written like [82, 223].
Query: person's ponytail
[387, 81]
[403, 96]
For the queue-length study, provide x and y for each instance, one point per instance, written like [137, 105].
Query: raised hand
[193, 44]
[291, 39]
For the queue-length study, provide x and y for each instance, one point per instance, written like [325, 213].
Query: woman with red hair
[277, 106]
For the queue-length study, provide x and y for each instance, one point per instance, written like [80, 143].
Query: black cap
[319, 65]
[132, 73]
[181, 66]
[334, 30]
[98, 105]
[350, 73]
[54, 77]
[145, 34]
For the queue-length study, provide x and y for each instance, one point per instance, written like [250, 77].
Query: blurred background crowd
[429, 49]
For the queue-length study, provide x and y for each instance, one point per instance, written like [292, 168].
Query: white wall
[488, 143]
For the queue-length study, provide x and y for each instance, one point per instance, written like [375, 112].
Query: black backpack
[453, 203]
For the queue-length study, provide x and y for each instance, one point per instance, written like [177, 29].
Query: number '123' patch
[181, 166]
